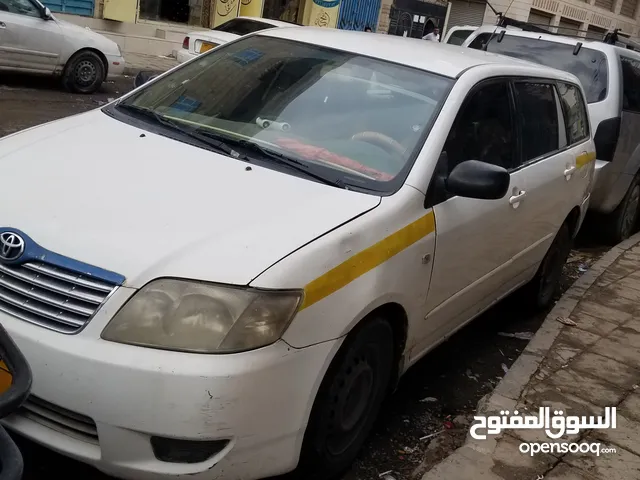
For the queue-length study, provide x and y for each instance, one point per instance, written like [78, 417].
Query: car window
[538, 118]
[361, 118]
[631, 84]
[21, 7]
[575, 113]
[483, 129]
[590, 66]
[241, 26]
[459, 36]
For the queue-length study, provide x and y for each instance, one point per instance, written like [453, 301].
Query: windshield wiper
[278, 158]
[195, 134]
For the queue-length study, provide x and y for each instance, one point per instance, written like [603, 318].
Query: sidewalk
[578, 369]
[136, 62]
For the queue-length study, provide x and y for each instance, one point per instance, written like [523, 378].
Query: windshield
[590, 66]
[242, 26]
[359, 119]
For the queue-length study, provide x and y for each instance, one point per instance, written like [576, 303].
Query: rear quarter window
[630, 84]
[575, 113]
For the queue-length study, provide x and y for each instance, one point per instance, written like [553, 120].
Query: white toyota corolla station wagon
[231, 283]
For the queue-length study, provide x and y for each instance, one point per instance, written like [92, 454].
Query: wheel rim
[631, 212]
[86, 73]
[352, 399]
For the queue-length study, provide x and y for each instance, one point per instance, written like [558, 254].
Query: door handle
[3, 25]
[515, 200]
[569, 171]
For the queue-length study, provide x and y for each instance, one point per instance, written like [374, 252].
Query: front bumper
[259, 401]
[185, 55]
[116, 66]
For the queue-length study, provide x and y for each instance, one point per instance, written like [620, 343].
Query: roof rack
[614, 37]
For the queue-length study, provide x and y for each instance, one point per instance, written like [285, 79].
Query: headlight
[200, 317]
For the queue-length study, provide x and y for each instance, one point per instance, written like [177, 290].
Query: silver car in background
[610, 76]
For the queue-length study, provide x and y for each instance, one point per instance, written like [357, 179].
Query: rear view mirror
[47, 14]
[474, 179]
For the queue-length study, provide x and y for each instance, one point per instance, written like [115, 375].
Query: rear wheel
[543, 287]
[84, 73]
[348, 401]
[620, 224]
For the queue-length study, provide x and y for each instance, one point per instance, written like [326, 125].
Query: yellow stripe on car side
[582, 160]
[367, 260]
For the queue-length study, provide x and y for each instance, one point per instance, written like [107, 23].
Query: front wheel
[84, 73]
[543, 287]
[348, 401]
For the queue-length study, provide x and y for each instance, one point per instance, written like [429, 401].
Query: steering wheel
[383, 141]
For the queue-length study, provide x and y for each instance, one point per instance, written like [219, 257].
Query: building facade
[590, 19]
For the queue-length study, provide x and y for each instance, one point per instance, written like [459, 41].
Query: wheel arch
[573, 221]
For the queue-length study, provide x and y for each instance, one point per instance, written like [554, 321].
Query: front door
[477, 240]
[28, 41]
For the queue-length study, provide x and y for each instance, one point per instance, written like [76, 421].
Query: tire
[84, 73]
[620, 224]
[542, 289]
[348, 401]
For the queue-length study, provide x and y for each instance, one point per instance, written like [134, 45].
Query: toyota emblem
[11, 246]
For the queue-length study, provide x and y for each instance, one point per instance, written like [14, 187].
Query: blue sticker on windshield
[247, 56]
[186, 104]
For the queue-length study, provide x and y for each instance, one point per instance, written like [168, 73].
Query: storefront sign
[226, 10]
[324, 13]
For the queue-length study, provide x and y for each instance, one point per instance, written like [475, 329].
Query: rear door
[547, 164]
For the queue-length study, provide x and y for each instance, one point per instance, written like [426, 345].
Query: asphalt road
[437, 396]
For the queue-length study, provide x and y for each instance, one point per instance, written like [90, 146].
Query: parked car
[457, 35]
[32, 40]
[201, 41]
[611, 78]
[232, 288]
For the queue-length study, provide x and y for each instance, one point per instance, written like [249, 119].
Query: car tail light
[185, 43]
[606, 138]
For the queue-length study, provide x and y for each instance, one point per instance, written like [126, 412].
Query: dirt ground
[435, 399]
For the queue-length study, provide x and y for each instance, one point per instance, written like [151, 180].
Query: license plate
[205, 47]
[5, 378]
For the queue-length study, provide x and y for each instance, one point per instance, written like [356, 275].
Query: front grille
[60, 419]
[51, 297]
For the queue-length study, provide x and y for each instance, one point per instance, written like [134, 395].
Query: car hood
[109, 194]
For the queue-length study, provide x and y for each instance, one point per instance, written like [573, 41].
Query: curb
[507, 393]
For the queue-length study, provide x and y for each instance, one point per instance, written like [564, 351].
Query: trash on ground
[471, 375]
[387, 475]
[567, 321]
[583, 268]
[501, 352]
[505, 368]
[518, 335]
[428, 400]
[407, 450]
[448, 424]
[427, 437]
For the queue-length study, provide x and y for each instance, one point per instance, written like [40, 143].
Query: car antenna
[498, 22]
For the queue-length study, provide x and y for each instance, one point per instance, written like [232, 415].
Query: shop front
[196, 13]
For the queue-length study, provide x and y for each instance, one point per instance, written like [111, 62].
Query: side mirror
[474, 179]
[47, 14]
